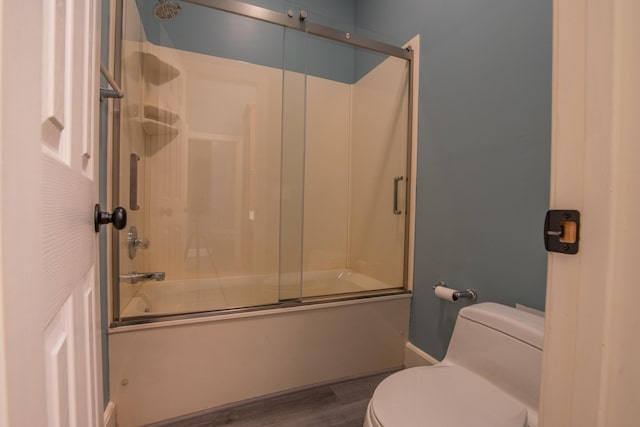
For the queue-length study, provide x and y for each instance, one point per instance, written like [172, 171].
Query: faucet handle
[142, 244]
[134, 243]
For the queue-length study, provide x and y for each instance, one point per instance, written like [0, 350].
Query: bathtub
[199, 295]
[167, 369]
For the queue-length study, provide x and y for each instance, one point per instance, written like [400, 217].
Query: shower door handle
[133, 182]
[396, 180]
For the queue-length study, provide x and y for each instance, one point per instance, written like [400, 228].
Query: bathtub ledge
[280, 310]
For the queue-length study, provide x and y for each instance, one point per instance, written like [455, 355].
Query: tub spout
[134, 277]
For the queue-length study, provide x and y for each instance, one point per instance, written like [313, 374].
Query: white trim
[4, 391]
[414, 43]
[110, 415]
[590, 372]
[413, 356]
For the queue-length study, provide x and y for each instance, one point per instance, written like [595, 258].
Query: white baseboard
[413, 356]
[110, 415]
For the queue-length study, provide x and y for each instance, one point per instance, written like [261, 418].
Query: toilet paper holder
[469, 293]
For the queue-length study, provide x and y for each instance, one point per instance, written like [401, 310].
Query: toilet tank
[503, 345]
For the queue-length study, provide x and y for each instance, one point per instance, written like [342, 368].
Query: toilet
[490, 376]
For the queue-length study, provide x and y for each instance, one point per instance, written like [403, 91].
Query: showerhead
[166, 9]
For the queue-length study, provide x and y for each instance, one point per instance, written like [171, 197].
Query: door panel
[49, 289]
[59, 362]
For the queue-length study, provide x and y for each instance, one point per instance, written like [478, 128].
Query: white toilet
[490, 376]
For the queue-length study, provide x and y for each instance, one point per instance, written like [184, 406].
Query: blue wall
[484, 129]
[203, 30]
[484, 150]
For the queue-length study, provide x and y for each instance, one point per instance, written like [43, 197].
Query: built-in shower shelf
[158, 121]
[155, 127]
[157, 71]
[159, 114]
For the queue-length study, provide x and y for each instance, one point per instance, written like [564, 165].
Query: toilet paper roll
[446, 294]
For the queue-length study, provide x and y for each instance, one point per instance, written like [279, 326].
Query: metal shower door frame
[296, 23]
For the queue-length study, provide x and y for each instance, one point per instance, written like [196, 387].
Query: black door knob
[118, 218]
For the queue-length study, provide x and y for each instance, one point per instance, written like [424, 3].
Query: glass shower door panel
[379, 165]
[293, 149]
[355, 172]
[131, 189]
[229, 255]
[210, 137]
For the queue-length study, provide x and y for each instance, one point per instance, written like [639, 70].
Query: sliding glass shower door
[355, 172]
[261, 169]
[200, 170]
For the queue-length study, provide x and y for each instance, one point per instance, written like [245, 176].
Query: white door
[591, 374]
[50, 373]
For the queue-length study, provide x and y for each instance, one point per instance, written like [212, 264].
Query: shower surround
[245, 170]
[288, 286]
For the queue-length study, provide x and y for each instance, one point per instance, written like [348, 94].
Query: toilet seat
[442, 396]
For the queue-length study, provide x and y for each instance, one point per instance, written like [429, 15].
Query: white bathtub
[196, 295]
[167, 369]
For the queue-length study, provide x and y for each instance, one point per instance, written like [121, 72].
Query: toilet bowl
[490, 376]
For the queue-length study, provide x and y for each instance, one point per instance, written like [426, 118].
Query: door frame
[589, 373]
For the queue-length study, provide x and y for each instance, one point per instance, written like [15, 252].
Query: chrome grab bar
[396, 179]
[135, 277]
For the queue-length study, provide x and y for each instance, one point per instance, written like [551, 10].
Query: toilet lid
[444, 396]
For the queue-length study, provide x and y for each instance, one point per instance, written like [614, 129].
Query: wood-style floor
[340, 404]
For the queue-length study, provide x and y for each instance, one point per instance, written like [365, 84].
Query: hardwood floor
[340, 404]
